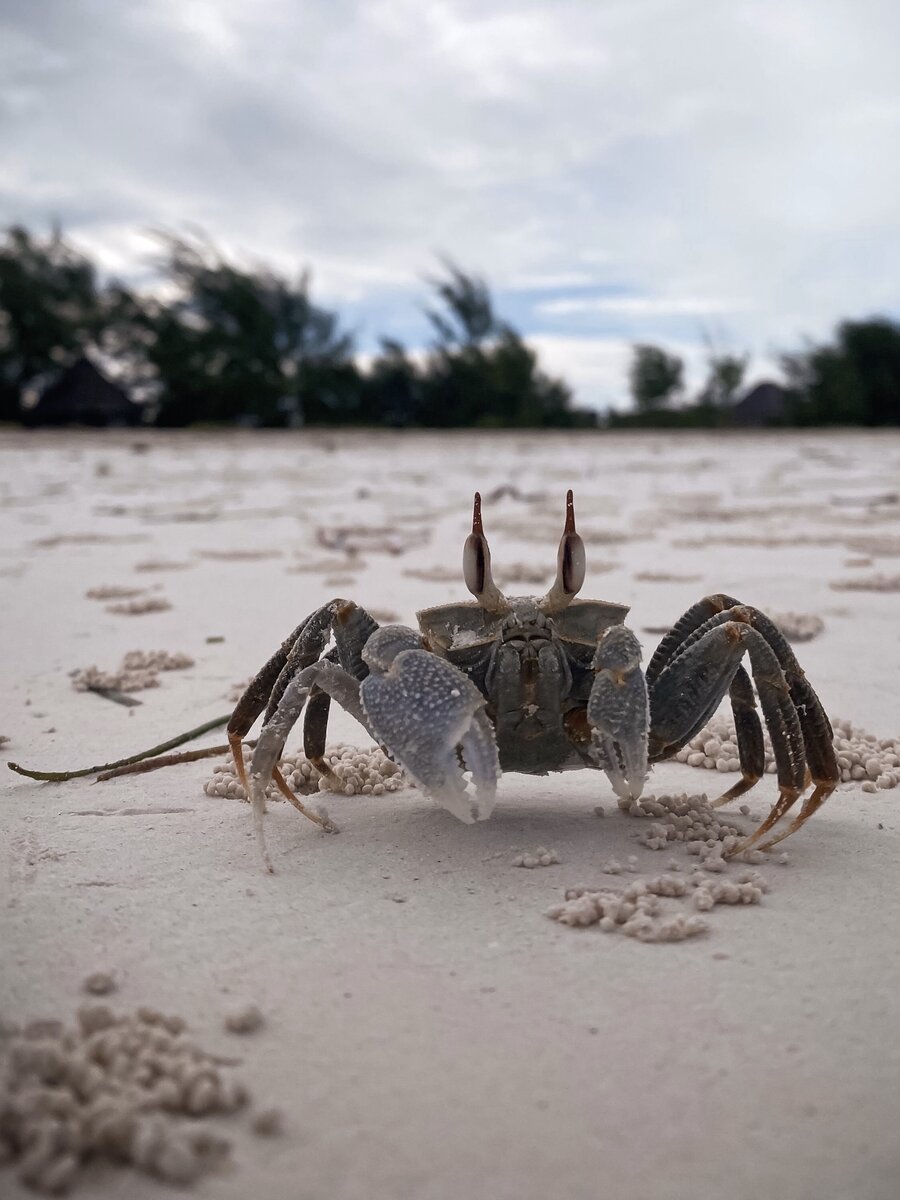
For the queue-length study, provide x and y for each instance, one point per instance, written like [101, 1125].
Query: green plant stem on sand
[62, 776]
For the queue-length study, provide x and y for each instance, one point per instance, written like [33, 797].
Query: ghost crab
[538, 685]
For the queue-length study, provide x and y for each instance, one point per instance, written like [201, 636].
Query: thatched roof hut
[765, 404]
[82, 395]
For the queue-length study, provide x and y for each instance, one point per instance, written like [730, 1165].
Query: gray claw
[479, 749]
[619, 712]
[422, 708]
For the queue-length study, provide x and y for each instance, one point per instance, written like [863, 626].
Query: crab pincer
[618, 712]
[429, 716]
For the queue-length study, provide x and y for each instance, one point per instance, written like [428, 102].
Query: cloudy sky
[619, 170]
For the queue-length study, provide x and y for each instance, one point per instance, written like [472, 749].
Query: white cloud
[597, 367]
[639, 306]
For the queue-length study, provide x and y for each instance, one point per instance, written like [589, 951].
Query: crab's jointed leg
[351, 626]
[698, 661]
[749, 735]
[713, 610]
[332, 680]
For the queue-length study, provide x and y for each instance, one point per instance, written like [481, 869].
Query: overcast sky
[618, 170]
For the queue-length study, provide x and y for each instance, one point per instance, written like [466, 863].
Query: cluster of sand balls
[542, 857]
[691, 819]
[637, 910]
[155, 660]
[863, 758]
[138, 670]
[129, 1090]
[872, 762]
[357, 772]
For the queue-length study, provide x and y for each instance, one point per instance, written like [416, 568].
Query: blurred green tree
[655, 377]
[725, 375]
[239, 344]
[51, 311]
[393, 388]
[855, 381]
[479, 370]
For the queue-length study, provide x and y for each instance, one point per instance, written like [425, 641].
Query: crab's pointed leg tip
[476, 514]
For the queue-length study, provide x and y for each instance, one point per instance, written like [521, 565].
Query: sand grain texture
[457, 1043]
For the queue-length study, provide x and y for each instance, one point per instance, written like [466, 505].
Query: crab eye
[570, 564]
[475, 563]
[477, 566]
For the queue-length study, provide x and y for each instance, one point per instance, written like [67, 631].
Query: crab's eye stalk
[570, 564]
[477, 566]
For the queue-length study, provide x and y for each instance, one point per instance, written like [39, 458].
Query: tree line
[220, 343]
[853, 380]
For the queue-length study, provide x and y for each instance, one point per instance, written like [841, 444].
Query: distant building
[765, 404]
[82, 395]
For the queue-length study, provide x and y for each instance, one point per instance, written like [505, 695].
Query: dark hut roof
[763, 405]
[82, 395]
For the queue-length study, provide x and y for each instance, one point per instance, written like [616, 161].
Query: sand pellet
[130, 1090]
[268, 1123]
[862, 757]
[542, 857]
[355, 772]
[688, 823]
[101, 983]
[244, 1020]
[637, 910]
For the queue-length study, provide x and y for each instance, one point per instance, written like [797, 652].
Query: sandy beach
[429, 1033]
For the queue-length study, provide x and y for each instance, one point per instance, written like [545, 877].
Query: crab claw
[618, 712]
[431, 719]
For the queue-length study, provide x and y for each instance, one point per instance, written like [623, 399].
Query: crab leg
[340, 686]
[748, 730]
[281, 783]
[713, 610]
[254, 699]
[811, 804]
[315, 729]
[698, 678]
[816, 729]
[351, 626]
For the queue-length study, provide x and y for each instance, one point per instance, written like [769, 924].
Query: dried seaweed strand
[63, 776]
[165, 760]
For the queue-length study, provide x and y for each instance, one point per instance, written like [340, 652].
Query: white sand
[428, 1033]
